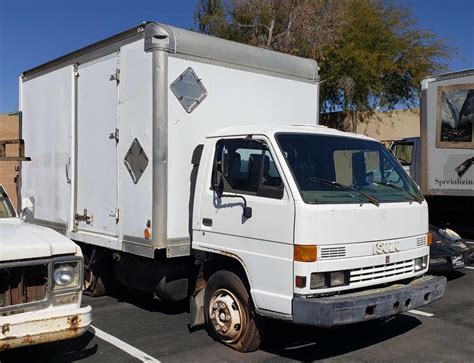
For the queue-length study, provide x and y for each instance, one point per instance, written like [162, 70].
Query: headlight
[66, 275]
[317, 280]
[421, 263]
[337, 278]
[329, 279]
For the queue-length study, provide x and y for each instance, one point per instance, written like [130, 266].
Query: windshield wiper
[335, 184]
[390, 185]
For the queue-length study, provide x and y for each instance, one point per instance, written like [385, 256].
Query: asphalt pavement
[135, 328]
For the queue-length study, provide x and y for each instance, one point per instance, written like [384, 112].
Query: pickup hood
[21, 241]
[354, 223]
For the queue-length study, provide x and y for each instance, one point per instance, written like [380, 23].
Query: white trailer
[151, 148]
[441, 161]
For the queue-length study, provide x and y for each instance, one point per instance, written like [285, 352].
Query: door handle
[68, 164]
[207, 222]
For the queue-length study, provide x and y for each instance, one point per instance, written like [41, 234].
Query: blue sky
[35, 31]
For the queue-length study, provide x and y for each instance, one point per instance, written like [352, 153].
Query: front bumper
[36, 327]
[367, 304]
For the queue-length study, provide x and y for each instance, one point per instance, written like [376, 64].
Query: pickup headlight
[66, 275]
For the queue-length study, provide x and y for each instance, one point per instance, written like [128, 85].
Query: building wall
[382, 126]
[400, 124]
[9, 129]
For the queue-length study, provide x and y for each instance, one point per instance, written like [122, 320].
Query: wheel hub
[225, 312]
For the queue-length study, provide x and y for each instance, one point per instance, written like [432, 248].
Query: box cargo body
[111, 129]
[447, 134]
[441, 161]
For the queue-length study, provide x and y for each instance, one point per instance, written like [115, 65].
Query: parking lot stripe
[469, 267]
[422, 313]
[134, 352]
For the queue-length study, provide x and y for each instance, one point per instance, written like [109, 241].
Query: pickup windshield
[364, 170]
[6, 209]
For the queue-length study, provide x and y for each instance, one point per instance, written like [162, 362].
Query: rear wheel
[229, 313]
[94, 273]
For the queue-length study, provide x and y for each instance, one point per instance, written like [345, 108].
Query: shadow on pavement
[147, 302]
[450, 275]
[308, 344]
[64, 351]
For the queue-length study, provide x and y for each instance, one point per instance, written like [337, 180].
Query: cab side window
[247, 167]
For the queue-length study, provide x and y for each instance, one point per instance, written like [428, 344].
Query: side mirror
[247, 213]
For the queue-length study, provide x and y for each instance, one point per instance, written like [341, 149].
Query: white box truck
[174, 159]
[441, 161]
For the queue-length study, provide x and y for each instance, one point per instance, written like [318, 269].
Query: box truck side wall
[234, 97]
[442, 103]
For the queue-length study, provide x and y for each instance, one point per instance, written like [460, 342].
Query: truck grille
[333, 252]
[382, 271]
[22, 285]
[421, 241]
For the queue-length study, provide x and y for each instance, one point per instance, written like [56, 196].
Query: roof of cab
[271, 130]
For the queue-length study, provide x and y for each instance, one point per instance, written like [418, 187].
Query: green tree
[371, 53]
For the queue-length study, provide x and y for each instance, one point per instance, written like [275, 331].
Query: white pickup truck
[41, 275]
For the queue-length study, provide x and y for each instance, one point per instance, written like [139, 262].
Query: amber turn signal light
[147, 231]
[429, 239]
[305, 253]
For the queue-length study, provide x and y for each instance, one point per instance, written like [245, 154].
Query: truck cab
[41, 276]
[327, 227]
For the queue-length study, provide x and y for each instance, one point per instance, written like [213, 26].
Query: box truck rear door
[97, 139]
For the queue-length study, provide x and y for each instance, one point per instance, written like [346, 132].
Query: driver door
[264, 242]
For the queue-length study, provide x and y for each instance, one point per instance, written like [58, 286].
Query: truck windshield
[6, 209]
[321, 164]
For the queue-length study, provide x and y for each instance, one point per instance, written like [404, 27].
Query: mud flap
[196, 309]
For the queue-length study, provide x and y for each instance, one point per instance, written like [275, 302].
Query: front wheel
[229, 314]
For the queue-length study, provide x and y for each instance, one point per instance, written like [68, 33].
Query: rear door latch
[114, 135]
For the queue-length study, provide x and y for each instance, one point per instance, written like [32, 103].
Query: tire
[93, 280]
[229, 313]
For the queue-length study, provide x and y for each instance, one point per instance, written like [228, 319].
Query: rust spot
[5, 328]
[74, 322]
[4, 347]
[28, 339]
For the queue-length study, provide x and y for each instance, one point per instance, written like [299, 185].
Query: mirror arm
[247, 211]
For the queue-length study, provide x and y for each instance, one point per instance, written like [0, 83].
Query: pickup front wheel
[229, 314]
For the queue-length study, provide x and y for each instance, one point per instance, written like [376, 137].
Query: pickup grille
[382, 271]
[22, 285]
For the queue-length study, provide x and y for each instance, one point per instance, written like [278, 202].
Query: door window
[247, 167]
[404, 152]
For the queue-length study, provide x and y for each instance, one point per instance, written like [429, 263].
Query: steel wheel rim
[226, 315]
